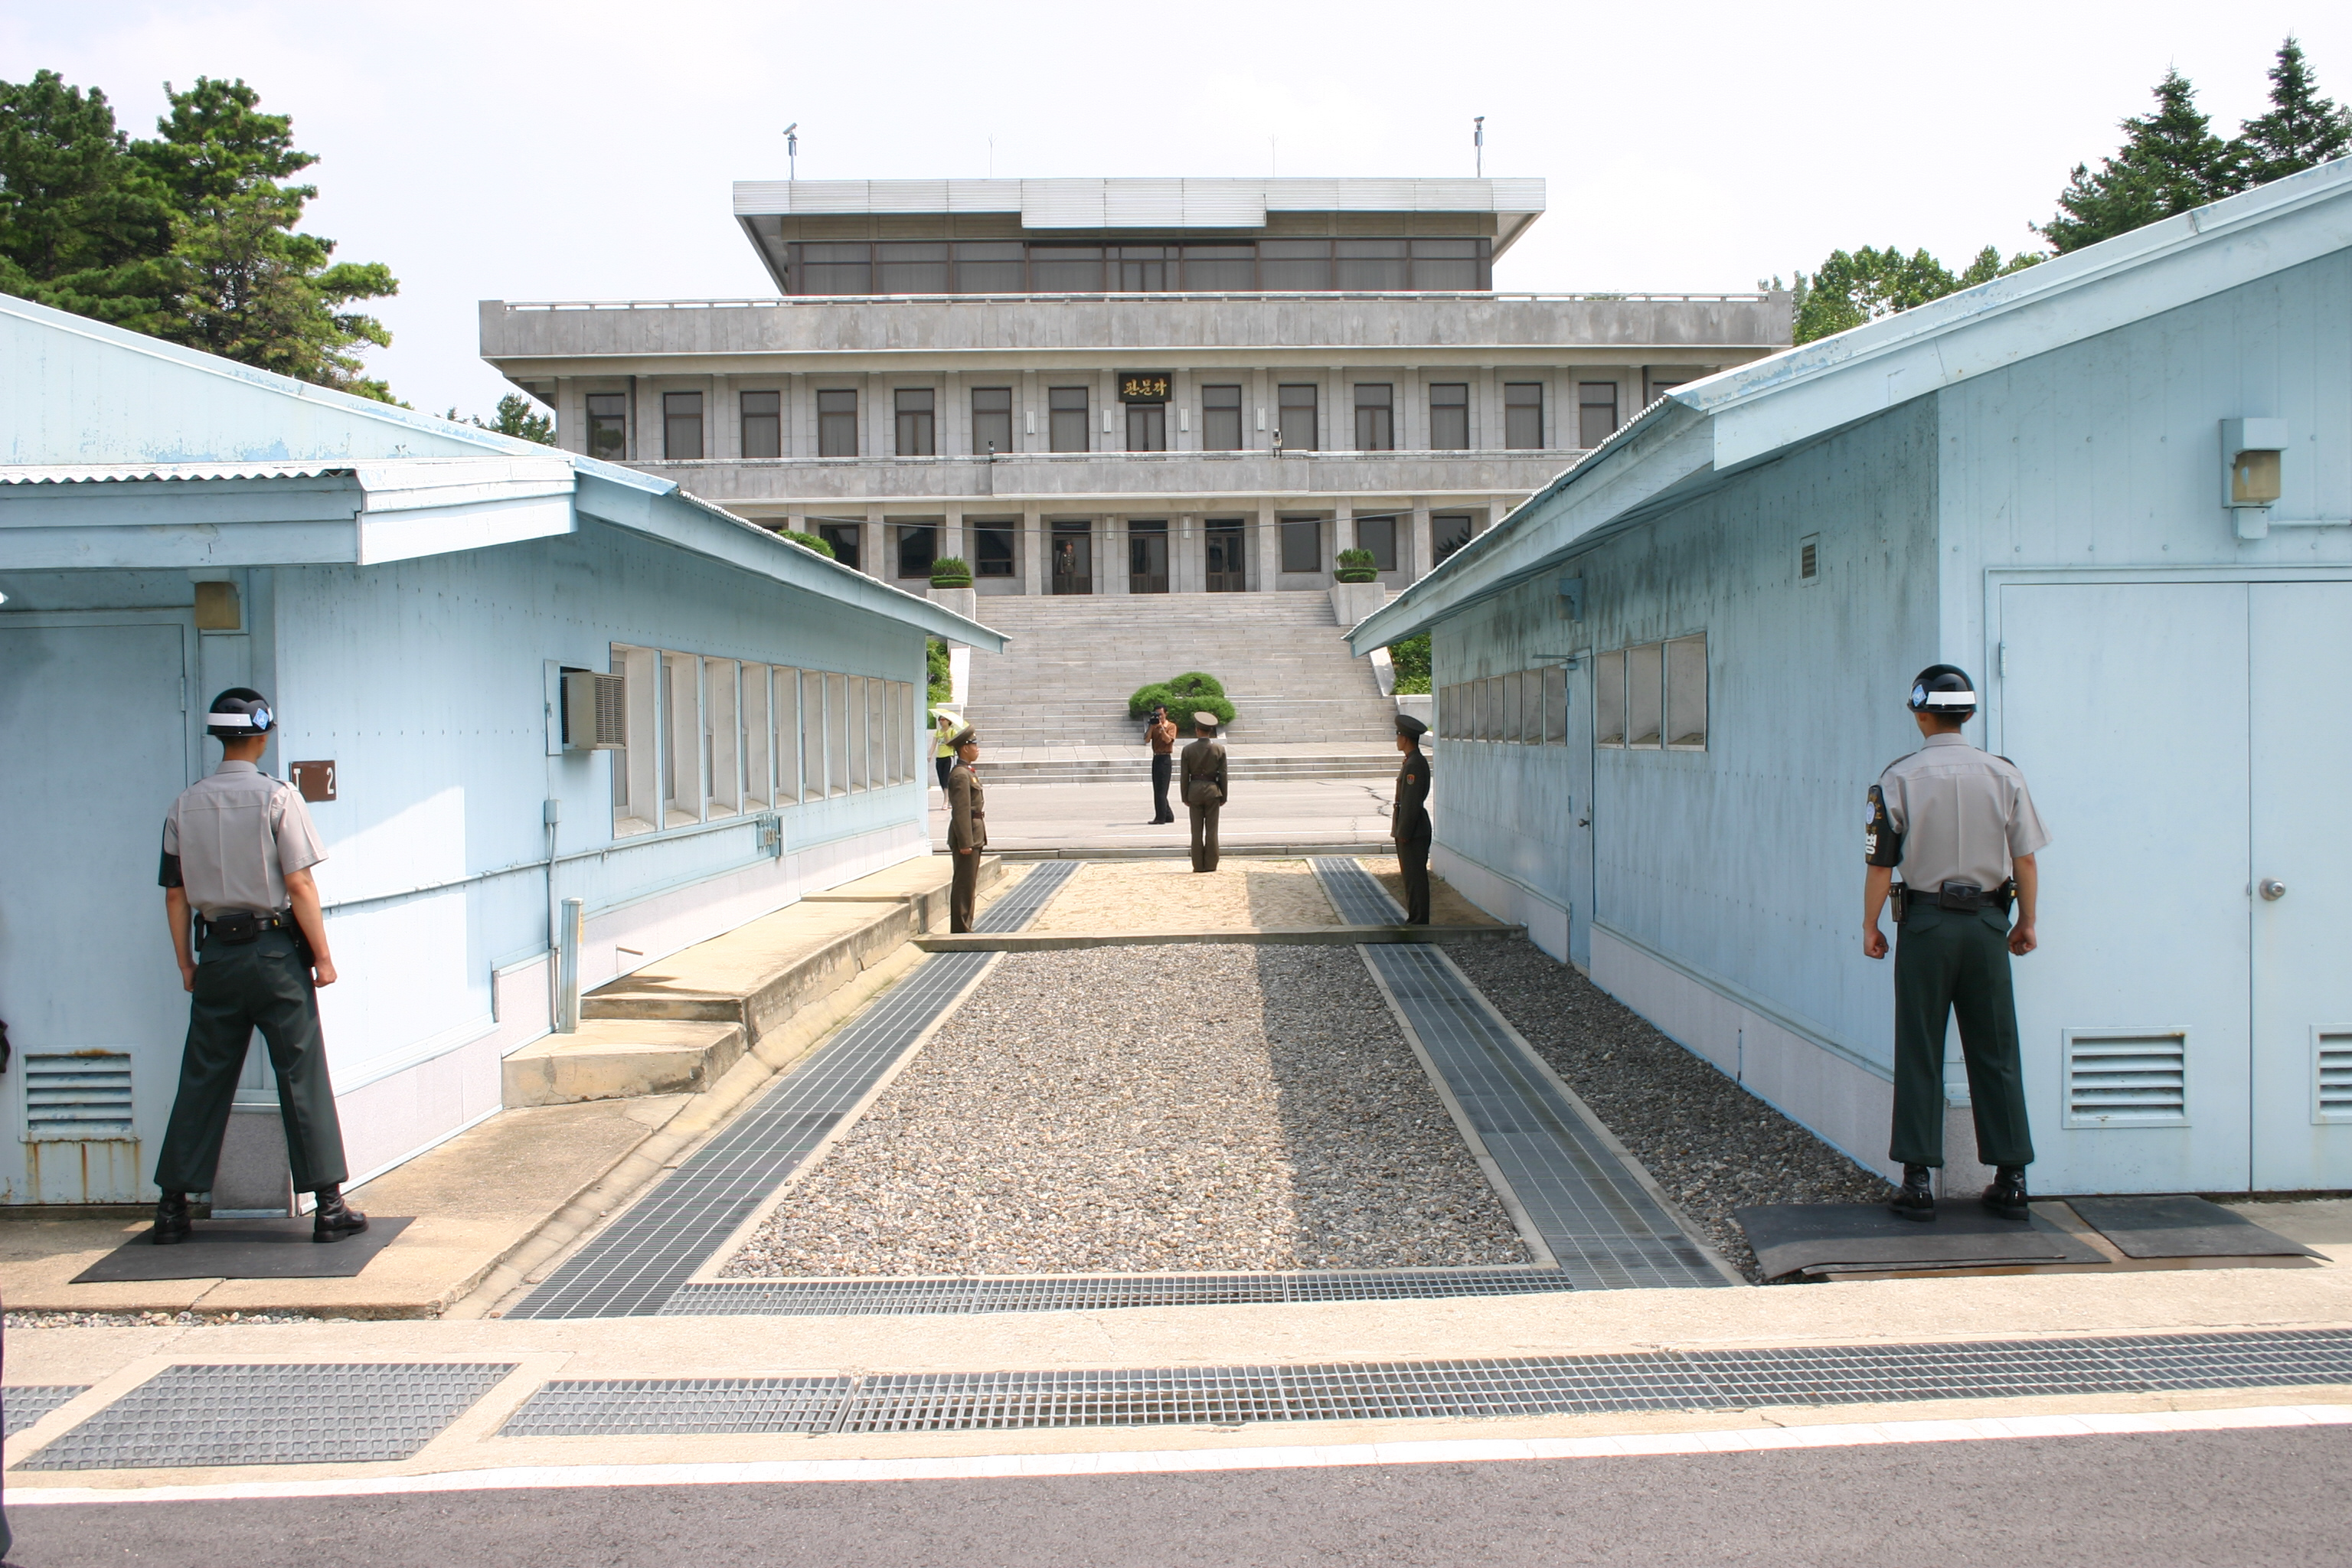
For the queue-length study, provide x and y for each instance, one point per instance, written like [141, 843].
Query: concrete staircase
[1073, 660]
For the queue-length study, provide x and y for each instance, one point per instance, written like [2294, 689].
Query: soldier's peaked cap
[1205, 720]
[967, 736]
[1411, 728]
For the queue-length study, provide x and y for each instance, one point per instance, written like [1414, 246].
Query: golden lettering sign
[1143, 389]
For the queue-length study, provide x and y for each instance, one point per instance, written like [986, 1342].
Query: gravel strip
[1712, 1145]
[1120, 1110]
[158, 1320]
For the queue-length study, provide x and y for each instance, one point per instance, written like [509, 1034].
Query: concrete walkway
[1094, 817]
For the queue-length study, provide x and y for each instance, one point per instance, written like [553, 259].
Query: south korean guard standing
[1962, 827]
[1409, 819]
[237, 852]
[967, 829]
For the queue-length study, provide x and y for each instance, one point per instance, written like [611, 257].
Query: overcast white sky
[585, 149]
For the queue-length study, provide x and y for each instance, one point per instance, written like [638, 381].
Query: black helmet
[1943, 689]
[239, 713]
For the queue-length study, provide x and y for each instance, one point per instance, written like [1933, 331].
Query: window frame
[983, 535]
[1211, 415]
[681, 427]
[1587, 404]
[1686, 690]
[1645, 696]
[1385, 530]
[928, 549]
[1293, 530]
[1286, 423]
[1067, 408]
[612, 419]
[1455, 411]
[1438, 549]
[1608, 700]
[1376, 419]
[914, 415]
[1523, 405]
[983, 417]
[770, 419]
[836, 426]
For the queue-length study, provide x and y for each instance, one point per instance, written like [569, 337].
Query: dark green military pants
[261, 984]
[1950, 961]
[1413, 863]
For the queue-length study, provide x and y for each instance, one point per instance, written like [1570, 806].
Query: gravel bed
[1123, 1110]
[158, 1320]
[1712, 1145]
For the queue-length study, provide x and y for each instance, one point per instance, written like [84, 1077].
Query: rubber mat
[2178, 1226]
[247, 1249]
[1790, 1238]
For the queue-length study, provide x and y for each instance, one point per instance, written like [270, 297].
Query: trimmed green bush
[942, 681]
[1189, 693]
[951, 572]
[1355, 566]
[806, 541]
[1411, 658]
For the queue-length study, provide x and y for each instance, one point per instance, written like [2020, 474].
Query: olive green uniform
[1409, 825]
[967, 830]
[1203, 775]
[1954, 817]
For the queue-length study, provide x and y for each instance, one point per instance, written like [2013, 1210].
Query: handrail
[1468, 296]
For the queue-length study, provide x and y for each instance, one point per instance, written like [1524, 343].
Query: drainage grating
[1355, 892]
[294, 1415]
[28, 1404]
[643, 1259]
[1600, 1222]
[1663, 1380]
[1080, 1293]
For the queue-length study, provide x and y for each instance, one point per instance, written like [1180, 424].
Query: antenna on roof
[1478, 142]
[793, 149]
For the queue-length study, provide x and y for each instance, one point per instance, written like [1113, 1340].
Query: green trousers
[262, 985]
[1946, 963]
[1413, 862]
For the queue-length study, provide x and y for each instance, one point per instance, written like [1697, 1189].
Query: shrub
[1411, 658]
[806, 541]
[943, 683]
[1356, 567]
[951, 572]
[1188, 693]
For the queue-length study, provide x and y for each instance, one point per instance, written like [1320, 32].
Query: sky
[585, 151]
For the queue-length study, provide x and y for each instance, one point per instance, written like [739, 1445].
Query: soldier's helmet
[239, 713]
[1943, 689]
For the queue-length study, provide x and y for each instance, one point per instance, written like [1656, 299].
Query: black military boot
[172, 1224]
[334, 1219]
[1917, 1197]
[2006, 1197]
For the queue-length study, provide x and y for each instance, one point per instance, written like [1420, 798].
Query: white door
[2126, 705]
[93, 747]
[2302, 784]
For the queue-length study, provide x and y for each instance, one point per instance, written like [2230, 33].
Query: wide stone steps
[1137, 770]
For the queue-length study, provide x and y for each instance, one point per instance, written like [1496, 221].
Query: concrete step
[1137, 770]
[618, 1058]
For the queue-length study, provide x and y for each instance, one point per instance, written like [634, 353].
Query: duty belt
[241, 926]
[1964, 897]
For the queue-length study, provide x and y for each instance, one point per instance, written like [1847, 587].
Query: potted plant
[951, 572]
[806, 541]
[1355, 566]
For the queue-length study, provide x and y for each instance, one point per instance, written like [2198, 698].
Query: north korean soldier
[967, 828]
[1203, 776]
[1409, 819]
[237, 851]
[1959, 824]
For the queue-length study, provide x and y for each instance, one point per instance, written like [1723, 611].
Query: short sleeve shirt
[231, 838]
[1963, 815]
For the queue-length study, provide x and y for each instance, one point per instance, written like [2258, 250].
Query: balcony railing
[1468, 296]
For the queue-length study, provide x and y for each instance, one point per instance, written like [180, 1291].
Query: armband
[1881, 844]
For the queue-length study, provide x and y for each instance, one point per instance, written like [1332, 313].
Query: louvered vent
[2333, 1098]
[2127, 1080]
[77, 1097]
[1809, 558]
[595, 711]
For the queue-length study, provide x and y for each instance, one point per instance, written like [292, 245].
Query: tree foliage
[2301, 128]
[1411, 660]
[1858, 285]
[192, 237]
[518, 416]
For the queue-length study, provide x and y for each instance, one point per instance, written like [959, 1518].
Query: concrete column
[644, 422]
[870, 417]
[1025, 413]
[952, 421]
[952, 535]
[874, 548]
[1339, 420]
[1183, 435]
[1111, 556]
[1269, 550]
[1033, 551]
[1187, 570]
[1421, 549]
[1343, 528]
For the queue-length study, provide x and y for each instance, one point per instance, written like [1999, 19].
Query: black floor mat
[2178, 1225]
[1790, 1237]
[246, 1249]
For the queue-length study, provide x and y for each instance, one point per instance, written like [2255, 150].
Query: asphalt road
[2275, 1496]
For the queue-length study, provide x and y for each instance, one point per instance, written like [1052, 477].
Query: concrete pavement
[1118, 816]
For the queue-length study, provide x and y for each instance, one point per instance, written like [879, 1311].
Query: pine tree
[2301, 128]
[2170, 161]
[81, 226]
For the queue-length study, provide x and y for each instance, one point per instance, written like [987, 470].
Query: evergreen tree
[516, 418]
[1854, 287]
[81, 226]
[2301, 128]
[2170, 161]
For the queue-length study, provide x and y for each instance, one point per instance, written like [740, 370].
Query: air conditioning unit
[595, 711]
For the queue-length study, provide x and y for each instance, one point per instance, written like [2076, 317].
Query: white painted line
[1736, 1440]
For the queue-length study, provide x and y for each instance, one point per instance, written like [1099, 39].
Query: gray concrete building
[1123, 386]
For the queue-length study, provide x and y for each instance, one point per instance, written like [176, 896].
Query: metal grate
[1355, 892]
[1018, 907]
[29, 1404]
[291, 1414]
[1587, 1203]
[859, 1298]
[77, 1096]
[1663, 1380]
[2332, 1071]
[2127, 1080]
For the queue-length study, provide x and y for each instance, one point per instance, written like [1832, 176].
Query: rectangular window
[1686, 693]
[837, 734]
[843, 537]
[1221, 419]
[853, 733]
[1378, 534]
[1645, 670]
[919, 546]
[879, 752]
[1372, 265]
[991, 420]
[681, 426]
[992, 266]
[608, 425]
[1147, 428]
[1065, 269]
[1449, 416]
[835, 269]
[1375, 417]
[1221, 268]
[681, 740]
[1298, 426]
[759, 751]
[1608, 700]
[992, 552]
[1066, 413]
[1523, 415]
[836, 422]
[722, 736]
[1302, 545]
[636, 768]
[1449, 264]
[1291, 266]
[1514, 709]
[1490, 708]
[1555, 705]
[914, 407]
[910, 269]
[1448, 532]
[790, 738]
[1143, 268]
[1596, 413]
[763, 424]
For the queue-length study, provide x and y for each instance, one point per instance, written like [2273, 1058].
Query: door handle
[2270, 887]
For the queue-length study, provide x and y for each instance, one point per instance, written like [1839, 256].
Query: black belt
[241, 926]
[1963, 897]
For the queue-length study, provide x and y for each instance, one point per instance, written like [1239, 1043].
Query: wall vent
[2127, 1080]
[1809, 558]
[78, 1097]
[2331, 1072]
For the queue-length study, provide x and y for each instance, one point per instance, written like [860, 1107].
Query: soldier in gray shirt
[237, 852]
[1962, 827]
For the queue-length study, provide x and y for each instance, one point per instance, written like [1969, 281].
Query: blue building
[2117, 489]
[507, 675]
